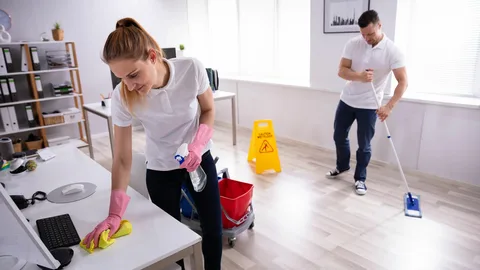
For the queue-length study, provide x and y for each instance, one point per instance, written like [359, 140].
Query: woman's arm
[207, 108]
[122, 157]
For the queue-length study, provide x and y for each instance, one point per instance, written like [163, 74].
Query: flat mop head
[412, 205]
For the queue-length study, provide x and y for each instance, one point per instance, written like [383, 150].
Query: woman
[174, 102]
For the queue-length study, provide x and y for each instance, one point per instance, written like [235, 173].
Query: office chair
[138, 174]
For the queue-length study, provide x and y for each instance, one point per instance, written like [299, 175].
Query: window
[441, 42]
[253, 38]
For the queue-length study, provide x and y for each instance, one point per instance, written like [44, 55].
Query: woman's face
[138, 75]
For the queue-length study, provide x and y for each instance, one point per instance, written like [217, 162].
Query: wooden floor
[305, 221]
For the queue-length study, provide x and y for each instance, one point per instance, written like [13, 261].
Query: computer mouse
[63, 255]
[72, 189]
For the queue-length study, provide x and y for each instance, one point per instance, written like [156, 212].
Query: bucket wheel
[231, 241]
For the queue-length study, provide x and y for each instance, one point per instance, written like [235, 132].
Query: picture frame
[341, 16]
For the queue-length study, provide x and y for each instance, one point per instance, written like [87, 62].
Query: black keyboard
[58, 231]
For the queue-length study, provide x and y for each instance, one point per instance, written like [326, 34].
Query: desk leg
[196, 257]
[234, 120]
[110, 133]
[89, 135]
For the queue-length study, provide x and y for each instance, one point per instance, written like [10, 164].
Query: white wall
[88, 24]
[423, 133]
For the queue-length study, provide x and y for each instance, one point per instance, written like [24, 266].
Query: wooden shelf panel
[35, 100]
[37, 42]
[26, 128]
[37, 71]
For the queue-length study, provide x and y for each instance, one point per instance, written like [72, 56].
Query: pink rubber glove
[195, 149]
[118, 204]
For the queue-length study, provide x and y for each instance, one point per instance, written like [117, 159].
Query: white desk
[159, 239]
[106, 113]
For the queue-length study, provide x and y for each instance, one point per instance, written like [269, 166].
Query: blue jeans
[164, 188]
[366, 119]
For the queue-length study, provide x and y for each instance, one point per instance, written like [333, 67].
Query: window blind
[441, 43]
[253, 38]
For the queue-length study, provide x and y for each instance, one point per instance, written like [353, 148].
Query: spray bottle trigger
[180, 159]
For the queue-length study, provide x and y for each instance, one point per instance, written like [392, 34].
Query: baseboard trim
[411, 171]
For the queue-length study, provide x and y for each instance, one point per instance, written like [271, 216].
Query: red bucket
[235, 197]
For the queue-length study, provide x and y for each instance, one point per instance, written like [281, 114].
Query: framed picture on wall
[341, 16]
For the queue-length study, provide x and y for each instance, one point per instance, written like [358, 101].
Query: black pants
[164, 188]
[366, 119]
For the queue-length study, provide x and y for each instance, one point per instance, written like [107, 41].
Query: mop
[411, 202]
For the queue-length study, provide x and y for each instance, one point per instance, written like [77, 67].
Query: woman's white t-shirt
[170, 115]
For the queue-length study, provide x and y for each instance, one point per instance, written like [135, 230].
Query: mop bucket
[235, 199]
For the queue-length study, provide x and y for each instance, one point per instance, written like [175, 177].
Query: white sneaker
[360, 187]
[334, 173]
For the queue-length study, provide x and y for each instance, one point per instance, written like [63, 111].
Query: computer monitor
[169, 54]
[20, 244]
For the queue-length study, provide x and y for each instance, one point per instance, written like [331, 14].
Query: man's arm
[401, 77]
[345, 72]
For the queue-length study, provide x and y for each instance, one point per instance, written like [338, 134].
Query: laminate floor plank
[306, 221]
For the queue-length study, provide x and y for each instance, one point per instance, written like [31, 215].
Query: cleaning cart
[236, 203]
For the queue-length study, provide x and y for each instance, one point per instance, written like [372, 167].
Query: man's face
[372, 33]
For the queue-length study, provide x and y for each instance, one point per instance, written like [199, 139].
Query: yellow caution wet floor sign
[263, 147]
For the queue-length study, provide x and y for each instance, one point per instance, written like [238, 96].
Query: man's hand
[384, 112]
[366, 76]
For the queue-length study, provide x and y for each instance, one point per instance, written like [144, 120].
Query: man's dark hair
[368, 17]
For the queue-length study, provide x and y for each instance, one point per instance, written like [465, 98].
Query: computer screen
[19, 242]
[169, 53]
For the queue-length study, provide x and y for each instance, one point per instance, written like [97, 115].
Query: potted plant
[182, 48]
[57, 32]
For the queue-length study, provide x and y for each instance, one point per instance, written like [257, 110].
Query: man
[369, 57]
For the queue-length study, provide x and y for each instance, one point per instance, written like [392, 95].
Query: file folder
[3, 64]
[35, 58]
[38, 83]
[13, 89]
[2, 98]
[8, 59]
[30, 118]
[5, 90]
[24, 59]
[13, 118]
[6, 119]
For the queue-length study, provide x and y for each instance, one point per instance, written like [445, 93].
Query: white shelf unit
[36, 100]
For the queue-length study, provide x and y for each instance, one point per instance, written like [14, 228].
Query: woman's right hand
[118, 204]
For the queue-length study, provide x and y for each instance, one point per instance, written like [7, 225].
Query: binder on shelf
[38, 83]
[13, 89]
[2, 98]
[3, 64]
[6, 119]
[5, 90]
[8, 59]
[30, 118]
[24, 59]
[35, 58]
[13, 118]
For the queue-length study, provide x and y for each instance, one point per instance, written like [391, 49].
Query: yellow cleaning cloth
[103, 242]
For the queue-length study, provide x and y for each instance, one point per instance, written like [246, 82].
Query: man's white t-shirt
[382, 58]
[170, 115]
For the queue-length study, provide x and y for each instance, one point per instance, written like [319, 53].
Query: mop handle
[390, 139]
